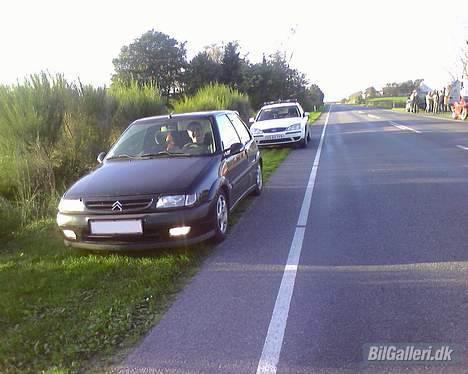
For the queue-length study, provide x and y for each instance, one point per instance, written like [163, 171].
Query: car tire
[258, 181]
[303, 142]
[220, 217]
[464, 114]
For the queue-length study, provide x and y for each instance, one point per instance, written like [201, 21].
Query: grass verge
[314, 116]
[447, 115]
[60, 308]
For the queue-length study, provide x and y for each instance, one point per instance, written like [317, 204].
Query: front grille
[279, 129]
[118, 205]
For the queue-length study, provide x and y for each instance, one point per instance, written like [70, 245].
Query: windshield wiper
[124, 155]
[164, 153]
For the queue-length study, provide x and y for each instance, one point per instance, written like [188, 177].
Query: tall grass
[51, 131]
[212, 97]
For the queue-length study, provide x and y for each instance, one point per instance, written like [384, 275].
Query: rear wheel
[221, 217]
[259, 181]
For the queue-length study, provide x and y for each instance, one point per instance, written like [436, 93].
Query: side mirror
[251, 120]
[235, 148]
[306, 114]
[100, 157]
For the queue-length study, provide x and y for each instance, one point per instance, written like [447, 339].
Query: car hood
[276, 123]
[143, 177]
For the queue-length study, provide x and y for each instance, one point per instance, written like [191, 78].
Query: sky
[343, 46]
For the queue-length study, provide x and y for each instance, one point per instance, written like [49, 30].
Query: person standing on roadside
[428, 102]
[441, 100]
[435, 102]
[446, 98]
[416, 102]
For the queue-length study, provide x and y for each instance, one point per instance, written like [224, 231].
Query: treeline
[158, 59]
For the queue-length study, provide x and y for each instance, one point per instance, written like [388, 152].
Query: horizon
[364, 50]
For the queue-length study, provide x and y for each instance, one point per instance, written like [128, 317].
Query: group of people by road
[437, 101]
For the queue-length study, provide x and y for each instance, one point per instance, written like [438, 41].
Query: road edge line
[274, 339]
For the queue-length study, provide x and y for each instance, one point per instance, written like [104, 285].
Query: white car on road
[281, 122]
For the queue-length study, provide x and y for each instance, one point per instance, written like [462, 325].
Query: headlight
[256, 131]
[177, 201]
[295, 127]
[71, 206]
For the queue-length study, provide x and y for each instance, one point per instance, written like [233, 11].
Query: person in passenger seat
[171, 145]
[196, 133]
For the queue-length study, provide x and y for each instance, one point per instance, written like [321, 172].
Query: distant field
[388, 102]
[397, 99]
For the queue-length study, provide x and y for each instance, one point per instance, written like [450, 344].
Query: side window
[227, 132]
[240, 128]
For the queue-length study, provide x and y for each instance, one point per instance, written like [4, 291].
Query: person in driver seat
[195, 131]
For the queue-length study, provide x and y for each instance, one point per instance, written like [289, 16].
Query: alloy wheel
[222, 214]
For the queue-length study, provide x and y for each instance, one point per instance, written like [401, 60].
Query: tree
[273, 79]
[154, 58]
[314, 97]
[215, 52]
[232, 66]
[201, 71]
[370, 92]
[401, 89]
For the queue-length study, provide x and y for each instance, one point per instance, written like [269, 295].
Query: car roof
[279, 105]
[184, 115]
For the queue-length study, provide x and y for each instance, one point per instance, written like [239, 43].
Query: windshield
[165, 138]
[277, 113]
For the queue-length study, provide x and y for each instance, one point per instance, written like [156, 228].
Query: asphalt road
[380, 248]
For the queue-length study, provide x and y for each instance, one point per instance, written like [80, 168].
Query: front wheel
[221, 217]
[464, 114]
[303, 142]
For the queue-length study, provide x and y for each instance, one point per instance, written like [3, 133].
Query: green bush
[135, 101]
[212, 97]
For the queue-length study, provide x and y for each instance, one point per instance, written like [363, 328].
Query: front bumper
[155, 225]
[279, 138]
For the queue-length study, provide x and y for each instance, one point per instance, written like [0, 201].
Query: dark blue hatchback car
[168, 181]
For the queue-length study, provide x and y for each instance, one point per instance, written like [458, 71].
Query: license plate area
[274, 137]
[116, 227]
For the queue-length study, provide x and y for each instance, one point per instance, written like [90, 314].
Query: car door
[232, 162]
[251, 153]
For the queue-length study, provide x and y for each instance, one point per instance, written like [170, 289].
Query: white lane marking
[274, 338]
[462, 147]
[402, 127]
[360, 112]
[304, 213]
[373, 116]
